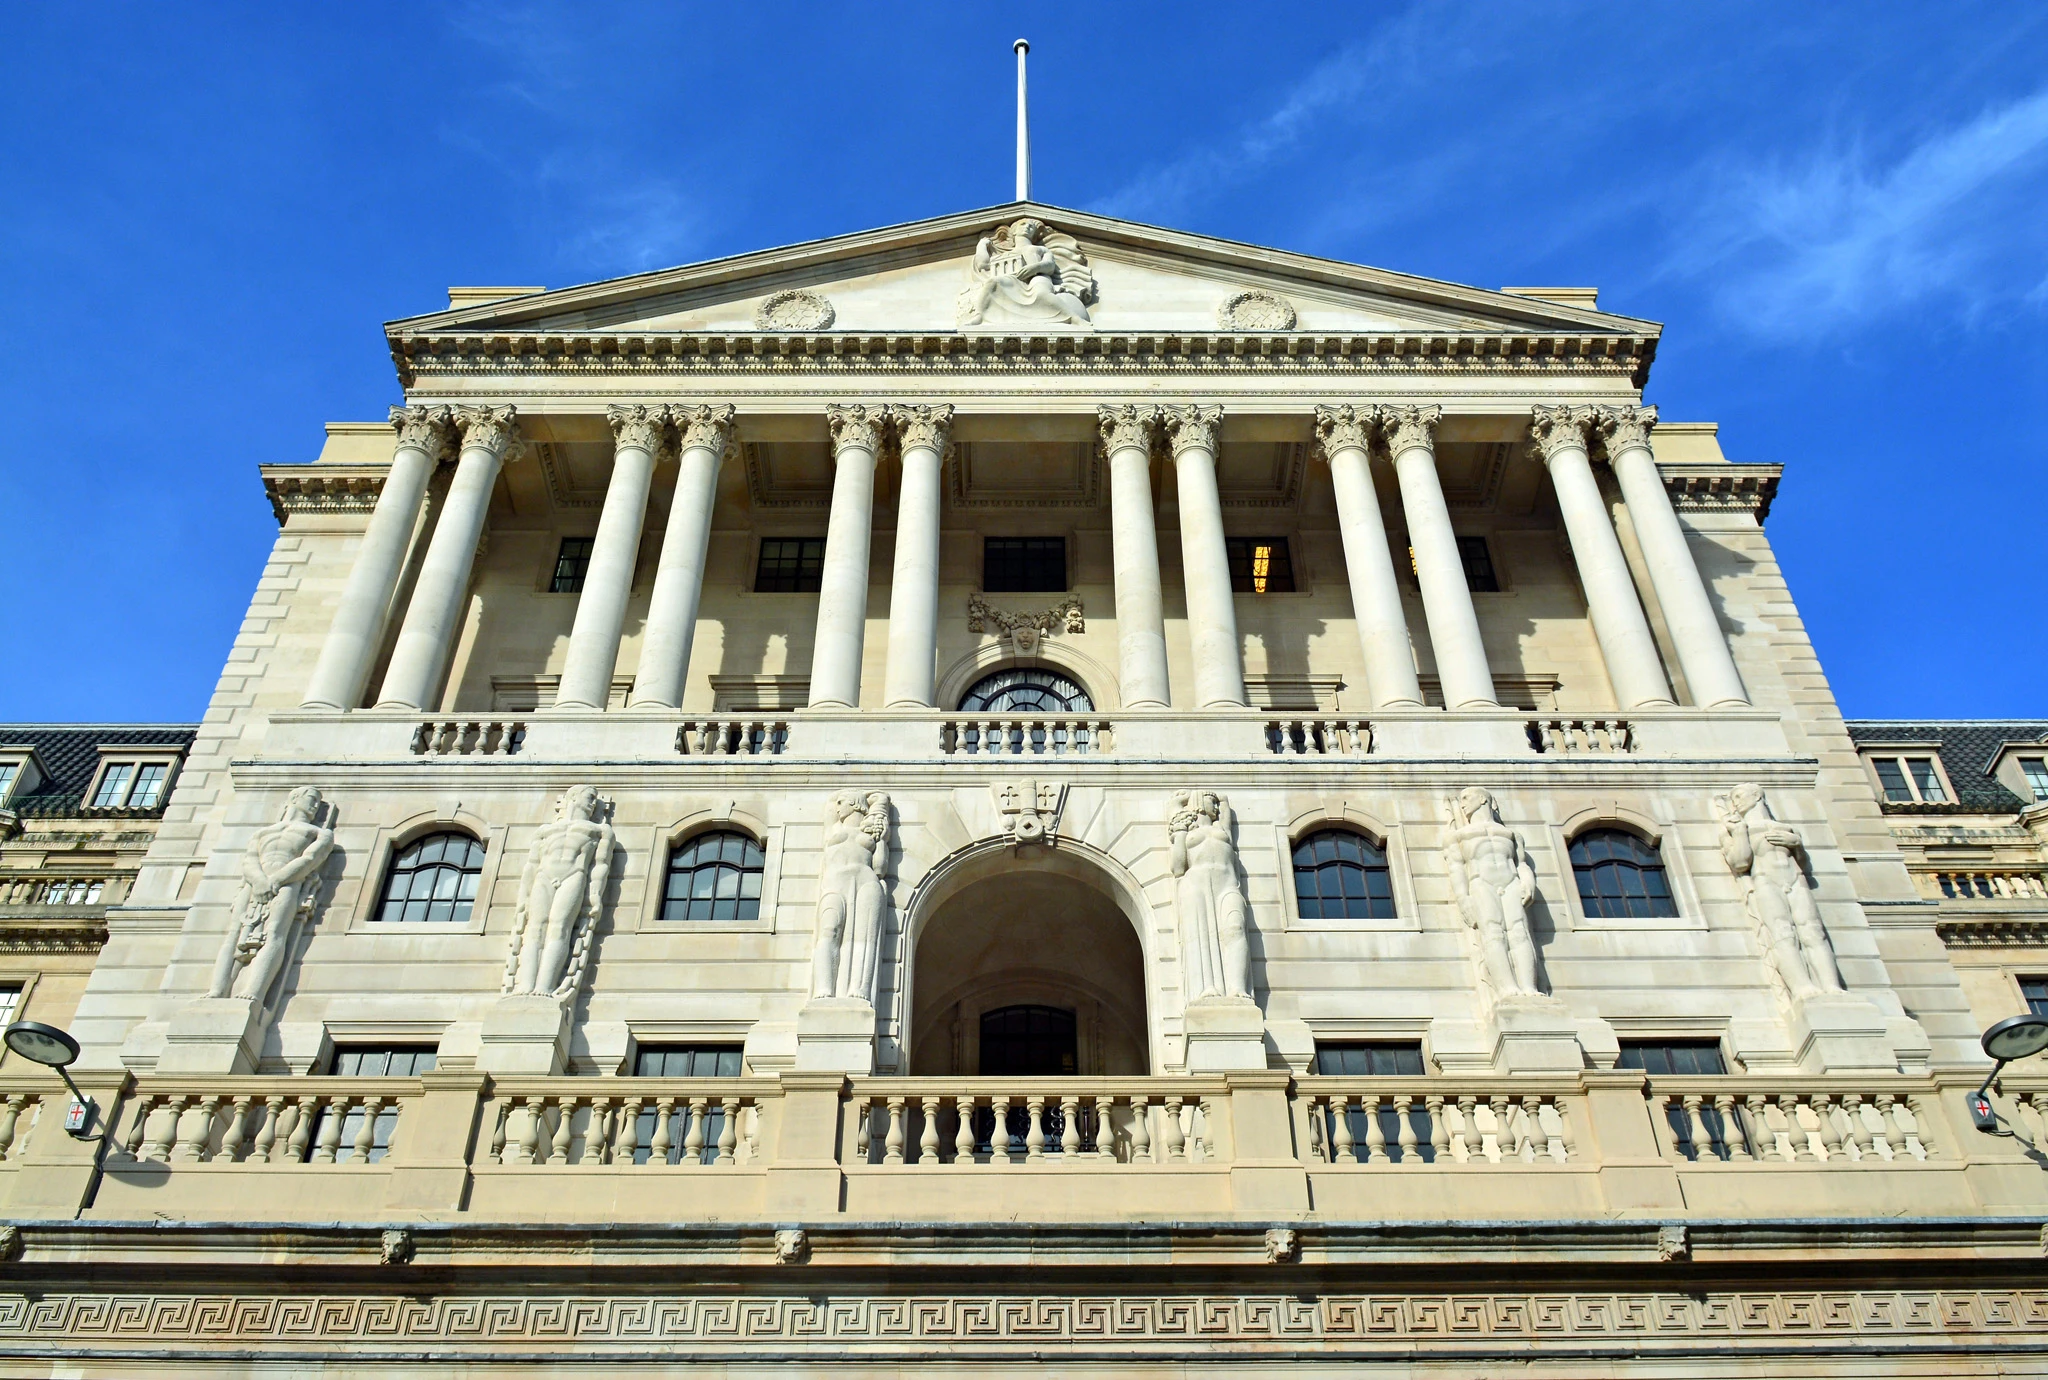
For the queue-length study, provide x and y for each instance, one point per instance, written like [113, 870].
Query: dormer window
[129, 780]
[20, 773]
[1911, 779]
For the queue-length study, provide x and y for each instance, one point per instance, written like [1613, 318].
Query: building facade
[1029, 789]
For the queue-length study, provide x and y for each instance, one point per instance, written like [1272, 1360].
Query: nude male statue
[278, 867]
[846, 961]
[1769, 857]
[561, 896]
[1494, 883]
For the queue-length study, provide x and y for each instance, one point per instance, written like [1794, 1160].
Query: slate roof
[1968, 747]
[70, 754]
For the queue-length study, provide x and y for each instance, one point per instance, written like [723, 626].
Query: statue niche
[279, 871]
[1030, 272]
[561, 898]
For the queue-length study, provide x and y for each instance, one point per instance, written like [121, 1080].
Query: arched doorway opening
[1027, 964]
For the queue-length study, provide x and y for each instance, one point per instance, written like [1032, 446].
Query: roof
[69, 755]
[1968, 748]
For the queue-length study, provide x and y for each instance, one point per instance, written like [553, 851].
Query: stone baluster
[1461, 664]
[1404, 1131]
[1798, 1138]
[963, 1132]
[1141, 1129]
[928, 1133]
[1176, 1140]
[1345, 435]
[332, 1111]
[1034, 1127]
[892, 1140]
[1105, 1132]
[237, 1130]
[565, 1128]
[266, 1134]
[1070, 1127]
[1498, 1105]
[626, 1149]
[1859, 1129]
[843, 586]
[729, 1133]
[1830, 1133]
[640, 437]
[693, 1134]
[419, 659]
[170, 1111]
[1633, 666]
[1205, 559]
[597, 1135]
[1134, 543]
[1375, 1133]
[1525, 1137]
[664, 1132]
[1209, 1123]
[366, 1134]
[1341, 1133]
[1696, 1129]
[357, 632]
[914, 586]
[1917, 1106]
[533, 1124]
[195, 1136]
[1469, 1132]
[1732, 1130]
[702, 433]
[999, 1133]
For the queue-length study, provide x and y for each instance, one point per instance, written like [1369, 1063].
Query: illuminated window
[1259, 565]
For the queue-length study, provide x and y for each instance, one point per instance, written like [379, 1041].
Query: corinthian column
[1345, 434]
[419, 661]
[843, 586]
[639, 435]
[914, 587]
[1134, 539]
[424, 436]
[701, 434]
[1695, 630]
[1625, 642]
[1446, 599]
[1205, 560]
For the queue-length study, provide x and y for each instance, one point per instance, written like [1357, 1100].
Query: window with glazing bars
[1023, 565]
[2035, 990]
[1259, 565]
[2035, 769]
[10, 1002]
[715, 876]
[1675, 1058]
[572, 562]
[433, 879]
[372, 1061]
[682, 1061]
[1374, 1059]
[1340, 875]
[1620, 876]
[1909, 779]
[1480, 577]
[130, 785]
[790, 565]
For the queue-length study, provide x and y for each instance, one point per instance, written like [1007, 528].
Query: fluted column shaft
[843, 586]
[640, 433]
[1134, 543]
[914, 584]
[1345, 433]
[1205, 558]
[1633, 666]
[702, 432]
[419, 660]
[359, 619]
[1446, 599]
[1696, 633]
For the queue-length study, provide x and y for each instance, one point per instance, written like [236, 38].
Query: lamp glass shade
[2016, 1037]
[42, 1044]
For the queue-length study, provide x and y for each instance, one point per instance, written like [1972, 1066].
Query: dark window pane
[686, 1061]
[709, 874]
[1259, 565]
[380, 1061]
[2035, 990]
[1926, 778]
[790, 565]
[571, 563]
[1620, 876]
[1022, 565]
[1342, 875]
[1030, 690]
[1891, 778]
[1478, 561]
[1677, 1058]
[1377, 1060]
[433, 879]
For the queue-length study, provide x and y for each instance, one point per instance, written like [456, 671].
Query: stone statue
[1030, 271]
[1494, 883]
[851, 898]
[1770, 858]
[278, 871]
[1215, 918]
[561, 897]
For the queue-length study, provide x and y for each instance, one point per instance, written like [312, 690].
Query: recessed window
[2035, 769]
[714, 876]
[129, 785]
[1673, 1058]
[2035, 990]
[1026, 689]
[10, 1002]
[572, 563]
[1259, 565]
[1028, 1042]
[433, 880]
[682, 1061]
[1925, 779]
[372, 1061]
[70, 891]
[8, 772]
[1480, 576]
[1023, 565]
[790, 565]
[687, 1061]
[1376, 1059]
[1339, 875]
[1907, 780]
[1892, 778]
[1620, 876]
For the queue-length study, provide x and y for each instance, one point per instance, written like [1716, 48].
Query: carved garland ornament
[1255, 311]
[1065, 617]
[795, 310]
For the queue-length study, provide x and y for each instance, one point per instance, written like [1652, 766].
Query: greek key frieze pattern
[1333, 1320]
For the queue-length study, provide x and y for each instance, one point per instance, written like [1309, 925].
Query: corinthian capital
[1559, 428]
[1626, 426]
[423, 428]
[1409, 428]
[1192, 427]
[1343, 427]
[925, 425]
[856, 426]
[705, 425]
[638, 427]
[495, 429]
[1126, 426]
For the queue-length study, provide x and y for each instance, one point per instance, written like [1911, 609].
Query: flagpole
[1023, 128]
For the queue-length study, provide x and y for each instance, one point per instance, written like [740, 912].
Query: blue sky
[1837, 211]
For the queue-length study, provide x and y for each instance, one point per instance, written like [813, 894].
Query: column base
[1225, 1034]
[213, 1035]
[835, 1035]
[525, 1035]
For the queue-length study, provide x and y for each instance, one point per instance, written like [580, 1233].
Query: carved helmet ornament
[1027, 271]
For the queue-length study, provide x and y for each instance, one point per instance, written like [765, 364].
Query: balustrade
[1001, 735]
[343, 1121]
[468, 738]
[1077, 1123]
[1991, 886]
[1581, 735]
[651, 1123]
[1410, 1122]
[1732, 1121]
[732, 738]
[1319, 737]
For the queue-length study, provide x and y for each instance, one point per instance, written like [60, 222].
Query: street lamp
[2015, 1037]
[52, 1048]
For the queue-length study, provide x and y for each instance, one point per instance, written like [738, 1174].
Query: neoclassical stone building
[1024, 790]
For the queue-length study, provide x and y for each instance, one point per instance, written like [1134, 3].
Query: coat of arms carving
[1030, 810]
[1028, 271]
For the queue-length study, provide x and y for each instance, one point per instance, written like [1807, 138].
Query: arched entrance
[1026, 963]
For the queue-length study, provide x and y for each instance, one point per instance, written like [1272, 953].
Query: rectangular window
[572, 563]
[2034, 989]
[1892, 778]
[149, 785]
[8, 771]
[10, 1002]
[790, 565]
[1376, 1060]
[113, 791]
[682, 1061]
[1479, 573]
[1926, 780]
[1024, 565]
[373, 1061]
[2034, 768]
[1675, 1058]
[1259, 565]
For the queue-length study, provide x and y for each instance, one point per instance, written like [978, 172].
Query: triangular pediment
[1075, 272]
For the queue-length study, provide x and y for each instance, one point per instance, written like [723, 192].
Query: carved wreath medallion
[795, 310]
[1255, 311]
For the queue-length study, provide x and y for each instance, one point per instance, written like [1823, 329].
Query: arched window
[433, 879]
[1031, 689]
[714, 876]
[1339, 875]
[1620, 876]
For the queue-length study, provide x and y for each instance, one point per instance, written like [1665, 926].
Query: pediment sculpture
[1209, 898]
[1027, 271]
[280, 871]
[1494, 883]
[561, 898]
[1770, 858]
[852, 898]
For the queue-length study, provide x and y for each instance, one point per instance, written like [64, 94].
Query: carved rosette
[637, 426]
[795, 310]
[856, 426]
[924, 426]
[429, 429]
[705, 425]
[1192, 427]
[1625, 427]
[1126, 426]
[1409, 428]
[495, 429]
[1255, 311]
[1343, 427]
[1555, 429]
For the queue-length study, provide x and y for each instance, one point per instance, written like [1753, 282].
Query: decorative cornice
[1993, 934]
[495, 429]
[1722, 488]
[856, 426]
[1555, 429]
[639, 426]
[1409, 428]
[1126, 426]
[425, 428]
[1343, 427]
[1623, 427]
[322, 488]
[705, 425]
[1191, 426]
[926, 425]
[75, 937]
